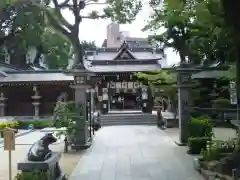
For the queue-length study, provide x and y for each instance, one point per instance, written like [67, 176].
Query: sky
[95, 30]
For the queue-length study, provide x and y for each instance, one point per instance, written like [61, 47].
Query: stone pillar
[36, 97]
[2, 104]
[183, 79]
[144, 99]
[81, 84]
[150, 100]
[105, 99]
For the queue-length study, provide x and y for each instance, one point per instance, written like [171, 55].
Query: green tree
[123, 11]
[88, 45]
[56, 48]
[164, 80]
[195, 29]
[21, 24]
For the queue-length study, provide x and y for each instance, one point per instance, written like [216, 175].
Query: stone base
[62, 177]
[196, 164]
[51, 165]
[82, 146]
[177, 142]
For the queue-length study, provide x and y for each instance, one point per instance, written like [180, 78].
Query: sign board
[233, 92]
[9, 140]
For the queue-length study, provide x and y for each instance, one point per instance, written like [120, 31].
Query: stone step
[124, 112]
[130, 115]
[126, 124]
[141, 117]
[128, 119]
[125, 119]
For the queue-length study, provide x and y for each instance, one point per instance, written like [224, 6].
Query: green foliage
[38, 175]
[35, 123]
[200, 127]
[122, 11]
[217, 149]
[88, 45]
[24, 22]
[195, 29]
[158, 77]
[66, 114]
[221, 103]
[197, 144]
[56, 48]
[200, 132]
[12, 124]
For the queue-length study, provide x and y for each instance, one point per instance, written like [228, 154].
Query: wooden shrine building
[117, 87]
[32, 91]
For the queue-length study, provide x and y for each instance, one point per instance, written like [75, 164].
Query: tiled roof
[36, 77]
[123, 68]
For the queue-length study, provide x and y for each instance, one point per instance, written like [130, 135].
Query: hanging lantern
[136, 85]
[124, 85]
[117, 90]
[112, 85]
[130, 85]
[134, 90]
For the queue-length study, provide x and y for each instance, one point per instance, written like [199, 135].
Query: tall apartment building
[115, 38]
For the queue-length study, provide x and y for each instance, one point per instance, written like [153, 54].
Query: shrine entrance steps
[127, 117]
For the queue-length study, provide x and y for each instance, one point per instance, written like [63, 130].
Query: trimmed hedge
[200, 132]
[37, 124]
[197, 144]
[32, 176]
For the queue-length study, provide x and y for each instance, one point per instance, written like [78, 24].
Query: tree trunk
[78, 55]
[38, 55]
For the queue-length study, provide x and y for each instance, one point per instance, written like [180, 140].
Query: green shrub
[44, 123]
[200, 127]
[221, 103]
[217, 149]
[197, 144]
[66, 114]
[11, 124]
[3, 125]
[32, 176]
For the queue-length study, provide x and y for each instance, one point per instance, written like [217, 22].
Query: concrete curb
[52, 130]
[19, 135]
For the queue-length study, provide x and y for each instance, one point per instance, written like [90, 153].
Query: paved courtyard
[134, 153]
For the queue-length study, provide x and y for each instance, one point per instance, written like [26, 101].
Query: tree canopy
[122, 11]
[195, 29]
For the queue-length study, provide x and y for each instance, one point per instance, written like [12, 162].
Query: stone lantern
[144, 99]
[2, 104]
[105, 104]
[36, 97]
[82, 82]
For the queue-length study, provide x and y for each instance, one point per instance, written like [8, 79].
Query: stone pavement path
[134, 153]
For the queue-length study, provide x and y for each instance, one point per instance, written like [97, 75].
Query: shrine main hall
[30, 90]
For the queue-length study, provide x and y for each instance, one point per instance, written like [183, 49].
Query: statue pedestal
[51, 166]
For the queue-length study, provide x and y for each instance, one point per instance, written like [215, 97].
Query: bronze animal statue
[40, 151]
